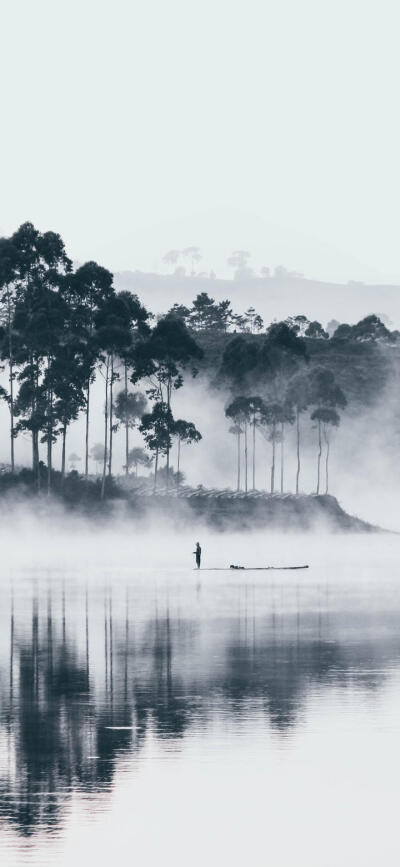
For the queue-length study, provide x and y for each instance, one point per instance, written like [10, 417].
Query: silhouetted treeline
[61, 327]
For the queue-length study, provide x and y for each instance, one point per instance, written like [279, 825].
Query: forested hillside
[65, 330]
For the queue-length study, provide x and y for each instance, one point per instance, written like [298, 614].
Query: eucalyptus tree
[239, 363]
[298, 395]
[161, 359]
[256, 410]
[73, 460]
[194, 255]
[113, 335]
[90, 288]
[69, 382]
[287, 417]
[137, 317]
[97, 455]
[38, 321]
[325, 394]
[240, 412]
[8, 290]
[128, 409]
[282, 354]
[271, 424]
[327, 418]
[139, 457]
[156, 428]
[185, 432]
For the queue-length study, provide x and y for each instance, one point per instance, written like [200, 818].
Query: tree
[298, 323]
[298, 395]
[325, 393]
[97, 454]
[139, 329]
[128, 409]
[282, 351]
[40, 314]
[331, 327]
[327, 417]
[282, 354]
[250, 321]
[272, 421]
[74, 459]
[185, 432]
[8, 290]
[369, 329]
[237, 430]
[256, 408]
[239, 411]
[90, 288]
[206, 314]
[193, 254]
[240, 358]
[238, 260]
[138, 457]
[180, 312]
[315, 330]
[156, 428]
[172, 257]
[161, 359]
[114, 323]
[287, 417]
[246, 410]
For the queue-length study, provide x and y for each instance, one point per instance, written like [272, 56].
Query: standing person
[197, 552]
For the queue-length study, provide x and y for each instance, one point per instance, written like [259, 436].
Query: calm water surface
[151, 716]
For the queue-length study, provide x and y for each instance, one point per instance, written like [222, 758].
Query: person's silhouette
[197, 553]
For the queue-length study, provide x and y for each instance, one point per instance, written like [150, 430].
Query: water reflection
[88, 673]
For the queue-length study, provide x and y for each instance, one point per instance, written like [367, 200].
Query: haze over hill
[274, 297]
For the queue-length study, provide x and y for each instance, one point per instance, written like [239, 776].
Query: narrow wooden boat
[250, 568]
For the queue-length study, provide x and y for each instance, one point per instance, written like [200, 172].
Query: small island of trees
[62, 328]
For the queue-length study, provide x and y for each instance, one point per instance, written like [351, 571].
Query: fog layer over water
[171, 715]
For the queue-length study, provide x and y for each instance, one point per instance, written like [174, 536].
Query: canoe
[250, 568]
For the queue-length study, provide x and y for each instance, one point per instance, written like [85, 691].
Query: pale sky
[269, 125]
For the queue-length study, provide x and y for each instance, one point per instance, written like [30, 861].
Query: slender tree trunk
[11, 381]
[327, 464]
[298, 449]
[169, 407]
[87, 431]
[179, 459]
[319, 456]
[111, 416]
[64, 437]
[103, 481]
[49, 461]
[126, 422]
[254, 454]
[37, 454]
[49, 438]
[238, 462]
[245, 456]
[273, 461]
[282, 454]
[155, 472]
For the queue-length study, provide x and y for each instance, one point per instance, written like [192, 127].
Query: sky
[266, 125]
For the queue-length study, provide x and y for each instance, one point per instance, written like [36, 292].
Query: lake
[154, 714]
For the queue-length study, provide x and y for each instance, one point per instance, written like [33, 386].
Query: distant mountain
[274, 297]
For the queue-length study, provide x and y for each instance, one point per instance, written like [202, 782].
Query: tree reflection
[70, 712]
